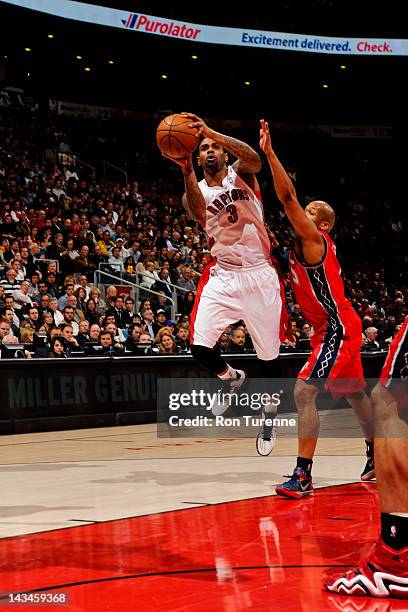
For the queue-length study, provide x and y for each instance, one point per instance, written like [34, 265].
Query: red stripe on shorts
[393, 352]
[202, 283]
[284, 318]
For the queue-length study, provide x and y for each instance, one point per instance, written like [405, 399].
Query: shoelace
[295, 476]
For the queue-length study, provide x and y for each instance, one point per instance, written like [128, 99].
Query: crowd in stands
[60, 222]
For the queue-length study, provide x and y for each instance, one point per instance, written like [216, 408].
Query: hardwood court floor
[122, 520]
[57, 479]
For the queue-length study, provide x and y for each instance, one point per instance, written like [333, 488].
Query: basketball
[175, 138]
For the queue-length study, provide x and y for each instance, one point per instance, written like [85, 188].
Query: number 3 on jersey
[233, 214]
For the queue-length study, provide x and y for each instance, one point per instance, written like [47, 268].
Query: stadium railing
[136, 288]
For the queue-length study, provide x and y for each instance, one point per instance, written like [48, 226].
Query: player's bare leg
[308, 418]
[361, 404]
[385, 573]
[391, 452]
[300, 484]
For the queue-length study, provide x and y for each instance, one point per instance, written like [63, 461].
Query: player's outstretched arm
[248, 160]
[193, 199]
[305, 229]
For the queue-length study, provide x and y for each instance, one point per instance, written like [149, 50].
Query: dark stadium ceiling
[289, 86]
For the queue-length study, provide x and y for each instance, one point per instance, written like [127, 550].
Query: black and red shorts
[335, 361]
[394, 375]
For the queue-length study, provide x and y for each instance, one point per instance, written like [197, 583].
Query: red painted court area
[259, 554]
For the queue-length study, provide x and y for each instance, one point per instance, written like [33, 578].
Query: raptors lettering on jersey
[224, 199]
[235, 222]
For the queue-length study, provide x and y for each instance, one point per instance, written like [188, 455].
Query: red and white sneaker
[384, 574]
[364, 604]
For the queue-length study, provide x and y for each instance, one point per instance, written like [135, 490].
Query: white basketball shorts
[251, 294]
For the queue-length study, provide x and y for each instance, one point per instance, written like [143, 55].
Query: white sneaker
[228, 386]
[266, 439]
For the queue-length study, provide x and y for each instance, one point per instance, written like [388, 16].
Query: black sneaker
[369, 470]
[229, 386]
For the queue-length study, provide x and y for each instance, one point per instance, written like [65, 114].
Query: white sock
[403, 514]
[230, 373]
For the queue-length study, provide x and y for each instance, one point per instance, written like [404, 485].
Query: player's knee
[356, 396]
[304, 394]
[376, 395]
[383, 403]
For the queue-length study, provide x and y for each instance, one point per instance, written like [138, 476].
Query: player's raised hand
[265, 137]
[196, 122]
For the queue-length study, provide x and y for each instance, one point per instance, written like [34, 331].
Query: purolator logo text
[169, 28]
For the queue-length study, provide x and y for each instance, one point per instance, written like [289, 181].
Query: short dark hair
[60, 339]
[64, 325]
[104, 332]
[133, 326]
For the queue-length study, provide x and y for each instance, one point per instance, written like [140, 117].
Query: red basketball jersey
[319, 289]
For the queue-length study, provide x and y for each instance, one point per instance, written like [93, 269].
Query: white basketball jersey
[235, 222]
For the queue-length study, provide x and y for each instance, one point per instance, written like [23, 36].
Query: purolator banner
[180, 30]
